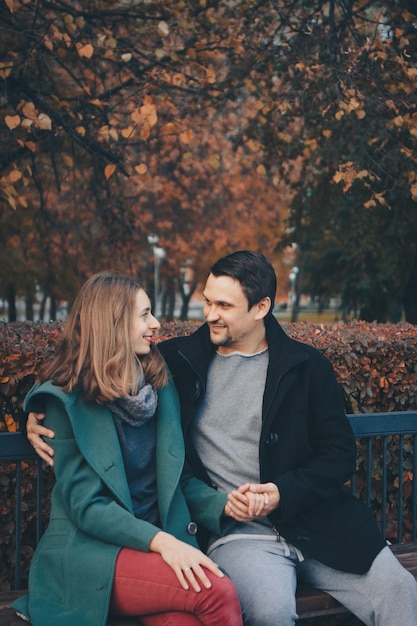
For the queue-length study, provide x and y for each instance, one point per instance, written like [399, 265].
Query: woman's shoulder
[40, 393]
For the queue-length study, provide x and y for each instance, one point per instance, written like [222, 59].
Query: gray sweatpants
[265, 574]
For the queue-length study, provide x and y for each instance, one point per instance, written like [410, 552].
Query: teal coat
[71, 576]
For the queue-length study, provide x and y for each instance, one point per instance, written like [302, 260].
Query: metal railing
[399, 428]
[16, 449]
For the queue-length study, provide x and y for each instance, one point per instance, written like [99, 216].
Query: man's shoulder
[316, 357]
[280, 343]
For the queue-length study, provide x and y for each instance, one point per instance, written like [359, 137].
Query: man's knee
[262, 611]
[403, 585]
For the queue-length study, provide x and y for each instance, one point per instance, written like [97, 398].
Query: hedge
[375, 365]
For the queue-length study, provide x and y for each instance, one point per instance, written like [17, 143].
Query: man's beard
[221, 340]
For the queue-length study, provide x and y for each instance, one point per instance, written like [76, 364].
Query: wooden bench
[395, 432]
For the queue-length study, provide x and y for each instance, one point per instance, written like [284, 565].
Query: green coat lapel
[97, 439]
[170, 448]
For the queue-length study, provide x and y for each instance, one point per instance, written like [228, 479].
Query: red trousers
[144, 585]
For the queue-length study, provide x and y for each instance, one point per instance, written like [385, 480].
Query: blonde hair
[95, 354]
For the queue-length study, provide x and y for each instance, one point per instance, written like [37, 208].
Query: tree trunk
[11, 301]
[168, 300]
[186, 294]
[185, 302]
[43, 307]
[52, 308]
[29, 308]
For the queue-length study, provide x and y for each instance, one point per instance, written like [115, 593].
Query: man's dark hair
[254, 272]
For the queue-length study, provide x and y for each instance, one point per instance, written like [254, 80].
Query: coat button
[272, 439]
[192, 528]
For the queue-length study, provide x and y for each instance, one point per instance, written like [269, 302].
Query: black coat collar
[198, 350]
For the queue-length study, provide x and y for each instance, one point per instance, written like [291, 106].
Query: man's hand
[35, 432]
[251, 501]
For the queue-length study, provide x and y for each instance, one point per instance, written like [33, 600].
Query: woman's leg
[174, 618]
[145, 585]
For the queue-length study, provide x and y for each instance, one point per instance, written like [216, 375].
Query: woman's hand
[251, 501]
[186, 561]
[35, 432]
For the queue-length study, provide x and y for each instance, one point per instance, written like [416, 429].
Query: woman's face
[144, 325]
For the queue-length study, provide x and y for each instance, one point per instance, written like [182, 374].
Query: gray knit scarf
[136, 410]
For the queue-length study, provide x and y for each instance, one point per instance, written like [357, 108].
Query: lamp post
[295, 296]
[158, 255]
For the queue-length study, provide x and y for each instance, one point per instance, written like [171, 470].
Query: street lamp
[295, 296]
[293, 281]
[158, 255]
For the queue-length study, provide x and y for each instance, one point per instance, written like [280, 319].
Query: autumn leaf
[145, 133]
[44, 122]
[48, 43]
[29, 110]
[14, 176]
[254, 146]
[113, 134]
[360, 113]
[380, 198]
[12, 5]
[148, 112]
[170, 128]
[97, 103]
[163, 29]
[186, 136]
[141, 169]
[103, 133]
[109, 170]
[10, 423]
[86, 50]
[211, 75]
[126, 132]
[5, 70]
[286, 137]
[214, 161]
[12, 121]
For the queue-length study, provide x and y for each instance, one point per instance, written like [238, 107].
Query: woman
[120, 537]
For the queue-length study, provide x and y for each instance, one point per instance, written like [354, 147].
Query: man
[264, 421]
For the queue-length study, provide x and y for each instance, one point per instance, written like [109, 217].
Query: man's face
[232, 326]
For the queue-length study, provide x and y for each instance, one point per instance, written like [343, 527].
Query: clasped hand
[251, 501]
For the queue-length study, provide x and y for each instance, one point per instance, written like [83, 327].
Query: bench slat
[310, 602]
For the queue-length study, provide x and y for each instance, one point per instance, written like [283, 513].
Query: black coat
[306, 447]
